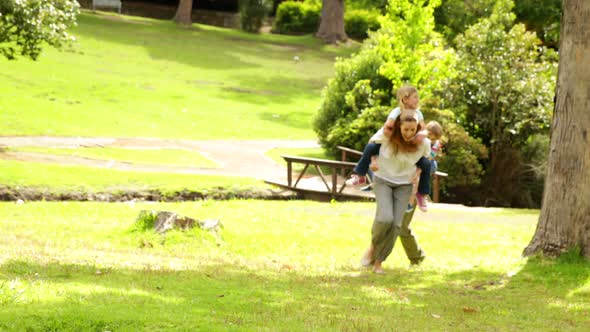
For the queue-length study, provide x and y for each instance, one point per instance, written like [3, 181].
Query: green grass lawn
[62, 178]
[138, 77]
[278, 266]
[164, 157]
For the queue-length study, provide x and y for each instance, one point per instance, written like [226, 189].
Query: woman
[395, 171]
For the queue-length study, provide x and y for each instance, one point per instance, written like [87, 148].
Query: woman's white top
[400, 168]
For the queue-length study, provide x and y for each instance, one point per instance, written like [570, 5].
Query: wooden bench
[435, 180]
[332, 190]
[115, 4]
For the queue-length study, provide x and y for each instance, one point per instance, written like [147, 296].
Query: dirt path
[237, 158]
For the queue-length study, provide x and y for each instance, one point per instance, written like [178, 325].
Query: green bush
[253, 13]
[379, 5]
[503, 95]
[27, 26]
[355, 86]
[358, 21]
[359, 97]
[461, 157]
[356, 134]
[296, 18]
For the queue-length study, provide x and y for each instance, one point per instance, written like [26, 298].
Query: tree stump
[163, 221]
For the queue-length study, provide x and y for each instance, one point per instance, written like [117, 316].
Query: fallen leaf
[469, 309]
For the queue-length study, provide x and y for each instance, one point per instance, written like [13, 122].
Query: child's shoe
[356, 180]
[409, 208]
[367, 188]
[421, 200]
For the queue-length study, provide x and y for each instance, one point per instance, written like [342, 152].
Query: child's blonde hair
[404, 92]
[435, 129]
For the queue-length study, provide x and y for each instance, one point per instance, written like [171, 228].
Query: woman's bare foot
[377, 268]
[367, 258]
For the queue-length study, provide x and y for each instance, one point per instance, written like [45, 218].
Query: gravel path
[238, 158]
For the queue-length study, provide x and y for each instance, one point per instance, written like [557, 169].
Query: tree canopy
[26, 24]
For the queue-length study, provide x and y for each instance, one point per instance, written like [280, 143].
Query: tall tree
[565, 215]
[184, 12]
[331, 28]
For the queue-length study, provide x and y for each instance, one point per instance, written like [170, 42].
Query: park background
[277, 265]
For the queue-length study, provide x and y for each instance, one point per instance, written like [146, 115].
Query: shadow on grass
[543, 295]
[209, 50]
[229, 66]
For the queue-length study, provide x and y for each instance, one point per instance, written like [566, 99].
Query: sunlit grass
[55, 178]
[278, 266]
[138, 77]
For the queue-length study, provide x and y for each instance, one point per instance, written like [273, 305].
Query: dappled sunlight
[386, 295]
[292, 262]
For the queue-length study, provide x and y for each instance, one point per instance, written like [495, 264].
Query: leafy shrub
[253, 13]
[542, 16]
[400, 52]
[503, 95]
[297, 18]
[26, 26]
[356, 85]
[358, 21]
[379, 5]
[359, 97]
[356, 134]
[461, 157]
[454, 16]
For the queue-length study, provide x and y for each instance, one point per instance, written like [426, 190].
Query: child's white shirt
[379, 137]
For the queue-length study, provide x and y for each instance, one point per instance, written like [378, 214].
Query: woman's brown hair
[397, 140]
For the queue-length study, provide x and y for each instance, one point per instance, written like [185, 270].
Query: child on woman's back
[408, 102]
[433, 133]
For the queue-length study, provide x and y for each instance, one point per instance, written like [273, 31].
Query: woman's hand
[420, 136]
[374, 166]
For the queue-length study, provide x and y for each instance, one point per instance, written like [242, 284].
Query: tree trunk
[331, 28]
[565, 215]
[184, 12]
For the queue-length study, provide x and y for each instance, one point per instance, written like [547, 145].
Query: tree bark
[564, 222]
[184, 12]
[331, 28]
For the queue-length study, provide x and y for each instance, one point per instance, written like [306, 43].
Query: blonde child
[408, 99]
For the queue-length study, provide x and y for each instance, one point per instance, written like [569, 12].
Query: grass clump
[145, 220]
